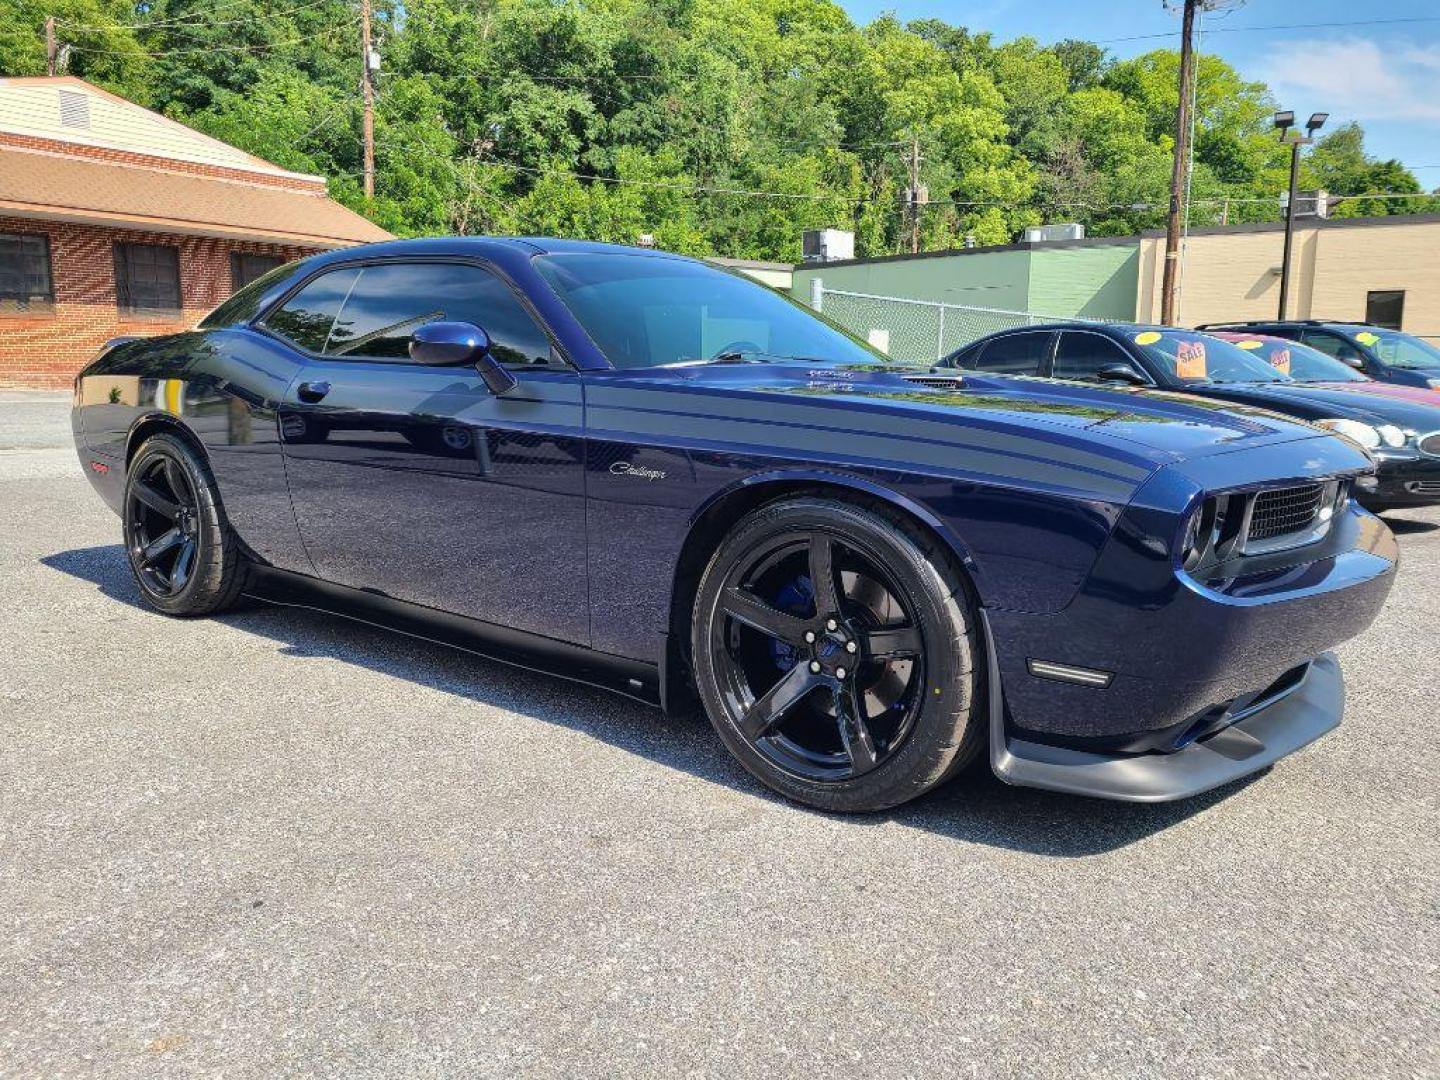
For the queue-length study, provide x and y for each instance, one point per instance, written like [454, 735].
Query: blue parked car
[643, 472]
[1401, 435]
[1388, 355]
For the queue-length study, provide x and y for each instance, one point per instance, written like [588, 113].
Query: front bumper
[1179, 653]
[1411, 480]
[1255, 742]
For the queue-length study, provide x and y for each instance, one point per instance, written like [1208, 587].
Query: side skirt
[517, 648]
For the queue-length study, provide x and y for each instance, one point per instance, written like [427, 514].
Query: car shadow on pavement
[1406, 526]
[976, 807]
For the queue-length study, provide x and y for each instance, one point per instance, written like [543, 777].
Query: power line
[1261, 29]
[264, 46]
[185, 21]
[709, 189]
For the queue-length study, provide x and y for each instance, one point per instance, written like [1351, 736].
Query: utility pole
[367, 92]
[913, 195]
[1179, 171]
[49, 44]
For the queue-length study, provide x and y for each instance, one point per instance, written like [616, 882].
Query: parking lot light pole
[1284, 121]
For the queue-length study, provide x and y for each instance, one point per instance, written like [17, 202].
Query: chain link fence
[918, 331]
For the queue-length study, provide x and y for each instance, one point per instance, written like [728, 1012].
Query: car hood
[1313, 401]
[1419, 395]
[1157, 426]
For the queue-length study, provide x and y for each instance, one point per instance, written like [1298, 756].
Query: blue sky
[1383, 73]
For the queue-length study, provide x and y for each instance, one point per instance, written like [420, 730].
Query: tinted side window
[1331, 345]
[1081, 355]
[389, 301]
[306, 318]
[964, 358]
[1018, 354]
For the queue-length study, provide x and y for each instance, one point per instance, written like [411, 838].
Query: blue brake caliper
[795, 598]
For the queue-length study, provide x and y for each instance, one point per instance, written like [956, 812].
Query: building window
[1385, 308]
[147, 280]
[26, 286]
[246, 268]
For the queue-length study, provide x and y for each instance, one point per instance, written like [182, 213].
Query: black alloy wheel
[185, 557]
[163, 526]
[833, 655]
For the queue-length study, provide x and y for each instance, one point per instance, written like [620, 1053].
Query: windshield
[1300, 362]
[650, 311]
[1400, 350]
[1199, 358]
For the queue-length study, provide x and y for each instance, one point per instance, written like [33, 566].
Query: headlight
[1361, 434]
[1391, 435]
[1433, 384]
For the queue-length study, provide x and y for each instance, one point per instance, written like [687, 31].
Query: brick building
[116, 220]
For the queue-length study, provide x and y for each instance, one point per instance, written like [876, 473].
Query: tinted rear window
[1016, 354]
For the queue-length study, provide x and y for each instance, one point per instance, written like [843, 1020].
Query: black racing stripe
[755, 437]
[725, 407]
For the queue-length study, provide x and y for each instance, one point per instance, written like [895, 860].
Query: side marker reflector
[1045, 669]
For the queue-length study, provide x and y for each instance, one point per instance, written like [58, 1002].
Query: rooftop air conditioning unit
[1037, 234]
[827, 245]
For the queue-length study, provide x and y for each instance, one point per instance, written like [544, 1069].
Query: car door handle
[312, 391]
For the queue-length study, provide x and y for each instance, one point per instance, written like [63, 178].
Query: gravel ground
[275, 842]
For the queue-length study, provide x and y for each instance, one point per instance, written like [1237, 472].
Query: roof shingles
[64, 188]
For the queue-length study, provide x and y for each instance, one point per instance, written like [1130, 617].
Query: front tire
[834, 651]
[185, 558]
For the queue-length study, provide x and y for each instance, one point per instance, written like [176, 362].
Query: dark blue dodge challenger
[646, 473]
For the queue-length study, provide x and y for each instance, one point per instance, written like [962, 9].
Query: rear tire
[185, 557]
[854, 696]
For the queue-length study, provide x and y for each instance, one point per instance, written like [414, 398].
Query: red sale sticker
[1280, 361]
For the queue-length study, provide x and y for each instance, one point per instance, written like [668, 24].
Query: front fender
[792, 477]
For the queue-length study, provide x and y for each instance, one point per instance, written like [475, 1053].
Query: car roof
[1110, 329]
[493, 246]
[1247, 335]
[478, 245]
[1240, 325]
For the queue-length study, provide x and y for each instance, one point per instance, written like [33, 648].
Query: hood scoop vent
[941, 382]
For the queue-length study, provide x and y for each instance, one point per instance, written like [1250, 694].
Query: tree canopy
[718, 126]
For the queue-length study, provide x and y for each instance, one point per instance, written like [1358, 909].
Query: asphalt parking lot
[276, 842]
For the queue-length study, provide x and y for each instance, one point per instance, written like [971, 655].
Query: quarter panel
[224, 388]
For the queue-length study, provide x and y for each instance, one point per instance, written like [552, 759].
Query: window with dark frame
[1016, 354]
[1082, 355]
[147, 280]
[1385, 307]
[27, 286]
[245, 268]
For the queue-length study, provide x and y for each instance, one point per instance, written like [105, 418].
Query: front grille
[1424, 487]
[1430, 444]
[1285, 510]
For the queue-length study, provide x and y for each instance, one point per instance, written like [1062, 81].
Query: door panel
[419, 483]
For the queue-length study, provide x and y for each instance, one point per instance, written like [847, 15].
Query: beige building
[1383, 270]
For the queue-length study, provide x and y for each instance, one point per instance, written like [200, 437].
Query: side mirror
[452, 343]
[1353, 360]
[1121, 373]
